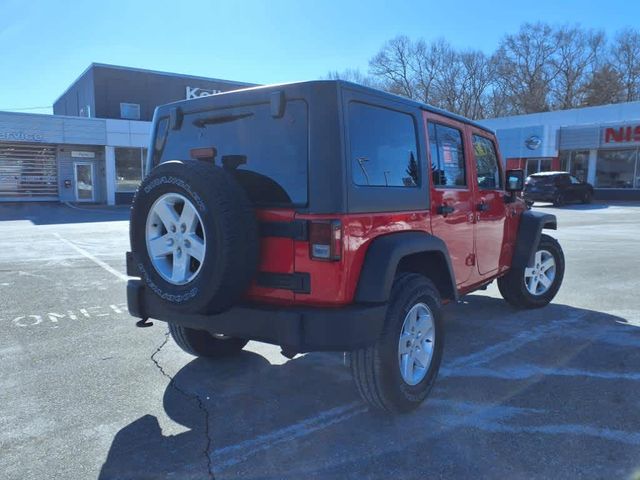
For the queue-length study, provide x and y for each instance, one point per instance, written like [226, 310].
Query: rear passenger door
[452, 216]
[489, 204]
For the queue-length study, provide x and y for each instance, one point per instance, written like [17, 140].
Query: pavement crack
[193, 396]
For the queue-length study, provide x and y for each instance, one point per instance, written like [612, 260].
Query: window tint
[486, 163]
[563, 180]
[267, 155]
[447, 156]
[383, 147]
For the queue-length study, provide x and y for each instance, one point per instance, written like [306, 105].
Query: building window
[383, 147]
[129, 168]
[130, 111]
[447, 156]
[616, 169]
[535, 165]
[576, 163]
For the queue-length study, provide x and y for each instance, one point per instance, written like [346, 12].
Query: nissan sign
[533, 142]
[625, 134]
[197, 92]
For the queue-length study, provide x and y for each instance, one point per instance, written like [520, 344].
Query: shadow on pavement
[56, 213]
[239, 403]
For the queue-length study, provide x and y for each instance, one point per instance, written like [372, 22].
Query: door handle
[482, 207]
[445, 210]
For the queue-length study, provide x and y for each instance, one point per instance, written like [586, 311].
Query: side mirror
[515, 181]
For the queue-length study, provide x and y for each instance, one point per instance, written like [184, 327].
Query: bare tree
[393, 66]
[538, 68]
[575, 60]
[355, 76]
[605, 86]
[626, 55]
[524, 67]
[476, 85]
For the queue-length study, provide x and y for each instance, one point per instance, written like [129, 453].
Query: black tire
[513, 288]
[558, 200]
[230, 227]
[376, 369]
[586, 198]
[202, 344]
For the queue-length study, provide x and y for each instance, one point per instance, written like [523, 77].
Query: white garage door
[28, 172]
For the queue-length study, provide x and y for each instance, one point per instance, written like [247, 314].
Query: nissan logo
[533, 142]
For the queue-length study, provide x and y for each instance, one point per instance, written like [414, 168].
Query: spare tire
[194, 236]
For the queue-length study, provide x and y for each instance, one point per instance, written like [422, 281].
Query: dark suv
[557, 188]
[329, 216]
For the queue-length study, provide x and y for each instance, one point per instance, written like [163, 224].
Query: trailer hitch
[144, 323]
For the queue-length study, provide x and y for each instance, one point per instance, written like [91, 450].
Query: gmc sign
[622, 134]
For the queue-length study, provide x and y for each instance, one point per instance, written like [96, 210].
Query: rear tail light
[208, 153]
[325, 240]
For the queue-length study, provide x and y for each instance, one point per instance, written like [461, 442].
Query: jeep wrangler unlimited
[329, 216]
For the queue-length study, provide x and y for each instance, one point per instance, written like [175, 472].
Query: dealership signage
[20, 136]
[624, 134]
[79, 154]
[196, 92]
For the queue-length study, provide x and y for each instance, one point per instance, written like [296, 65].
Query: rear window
[541, 180]
[267, 155]
[384, 149]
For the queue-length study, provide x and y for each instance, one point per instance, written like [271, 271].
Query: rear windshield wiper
[201, 122]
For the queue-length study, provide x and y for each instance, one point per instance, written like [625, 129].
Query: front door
[489, 203]
[452, 216]
[83, 175]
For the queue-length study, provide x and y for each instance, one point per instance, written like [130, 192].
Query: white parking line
[94, 259]
[521, 372]
[245, 449]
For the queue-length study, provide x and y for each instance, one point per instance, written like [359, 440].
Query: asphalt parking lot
[551, 393]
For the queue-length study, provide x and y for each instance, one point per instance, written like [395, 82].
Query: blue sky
[45, 45]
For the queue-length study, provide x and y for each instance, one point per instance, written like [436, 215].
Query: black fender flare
[529, 231]
[382, 259]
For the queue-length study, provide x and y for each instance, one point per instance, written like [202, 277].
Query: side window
[575, 181]
[486, 163]
[447, 156]
[384, 149]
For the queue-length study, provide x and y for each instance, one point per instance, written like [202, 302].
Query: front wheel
[397, 373]
[204, 344]
[535, 285]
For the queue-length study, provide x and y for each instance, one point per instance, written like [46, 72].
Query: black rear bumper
[299, 329]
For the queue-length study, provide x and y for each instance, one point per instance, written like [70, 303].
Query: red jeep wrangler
[329, 216]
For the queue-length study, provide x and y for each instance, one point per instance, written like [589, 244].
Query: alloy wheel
[539, 278]
[416, 345]
[175, 238]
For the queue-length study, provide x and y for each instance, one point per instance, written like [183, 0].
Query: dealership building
[92, 148]
[599, 145]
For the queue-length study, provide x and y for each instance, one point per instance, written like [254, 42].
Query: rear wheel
[558, 200]
[535, 285]
[205, 344]
[397, 373]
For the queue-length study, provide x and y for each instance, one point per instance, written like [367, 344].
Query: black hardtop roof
[342, 84]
